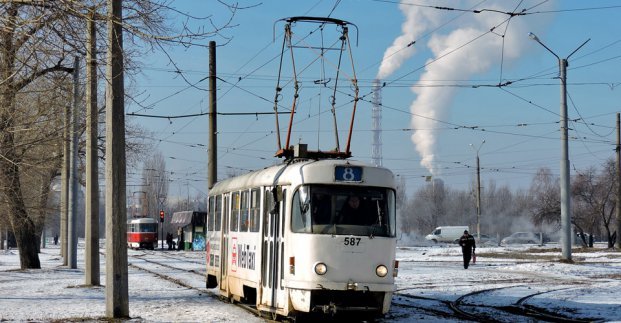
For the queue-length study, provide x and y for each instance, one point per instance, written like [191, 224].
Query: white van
[446, 234]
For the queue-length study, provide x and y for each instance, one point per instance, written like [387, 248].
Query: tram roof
[145, 219]
[303, 171]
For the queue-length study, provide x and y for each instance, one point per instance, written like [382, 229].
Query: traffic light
[162, 216]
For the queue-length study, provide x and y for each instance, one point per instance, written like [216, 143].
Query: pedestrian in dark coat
[468, 246]
[169, 240]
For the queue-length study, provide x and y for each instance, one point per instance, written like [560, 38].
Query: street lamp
[478, 189]
[565, 201]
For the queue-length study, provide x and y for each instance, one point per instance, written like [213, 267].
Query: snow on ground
[588, 288]
[57, 293]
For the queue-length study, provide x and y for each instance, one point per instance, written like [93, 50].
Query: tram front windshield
[346, 210]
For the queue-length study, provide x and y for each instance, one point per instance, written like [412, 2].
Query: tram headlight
[321, 268]
[381, 271]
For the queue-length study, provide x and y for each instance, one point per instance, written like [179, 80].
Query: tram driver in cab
[353, 212]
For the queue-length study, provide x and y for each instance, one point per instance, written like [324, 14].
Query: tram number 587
[352, 241]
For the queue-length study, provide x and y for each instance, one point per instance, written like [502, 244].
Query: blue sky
[441, 93]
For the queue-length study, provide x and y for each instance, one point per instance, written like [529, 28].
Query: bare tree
[401, 195]
[594, 201]
[155, 181]
[461, 208]
[427, 209]
[545, 191]
[38, 39]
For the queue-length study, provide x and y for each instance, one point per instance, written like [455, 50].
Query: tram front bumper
[331, 301]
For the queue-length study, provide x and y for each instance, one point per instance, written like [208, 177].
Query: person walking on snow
[468, 246]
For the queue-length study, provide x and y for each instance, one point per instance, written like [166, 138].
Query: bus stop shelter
[190, 227]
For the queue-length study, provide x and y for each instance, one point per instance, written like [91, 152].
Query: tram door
[272, 252]
[224, 245]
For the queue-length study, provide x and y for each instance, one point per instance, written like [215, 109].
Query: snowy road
[498, 290]
[506, 285]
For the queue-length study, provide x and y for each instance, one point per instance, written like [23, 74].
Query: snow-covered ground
[429, 278]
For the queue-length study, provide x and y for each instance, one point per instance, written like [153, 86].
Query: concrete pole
[618, 206]
[91, 230]
[64, 187]
[476, 150]
[117, 298]
[566, 230]
[72, 235]
[478, 198]
[213, 124]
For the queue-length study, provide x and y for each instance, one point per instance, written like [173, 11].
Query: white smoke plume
[418, 20]
[456, 59]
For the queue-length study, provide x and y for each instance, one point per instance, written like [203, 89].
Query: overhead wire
[523, 100]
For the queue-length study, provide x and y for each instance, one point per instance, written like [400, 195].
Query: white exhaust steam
[463, 47]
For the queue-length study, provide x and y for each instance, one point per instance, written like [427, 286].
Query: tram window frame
[235, 209]
[382, 198]
[268, 206]
[281, 252]
[243, 214]
[254, 211]
[218, 213]
[284, 212]
[391, 200]
[301, 221]
[211, 214]
[148, 227]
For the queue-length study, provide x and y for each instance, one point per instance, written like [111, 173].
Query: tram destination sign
[348, 174]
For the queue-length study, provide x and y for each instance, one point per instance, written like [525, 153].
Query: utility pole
[91, 230]
[478, 190]
[566, 230]
[64, 187]
[117, 298]
[618, 207]
[478, 199]
[72, 235]
[212, 152]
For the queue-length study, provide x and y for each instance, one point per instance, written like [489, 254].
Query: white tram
[279, 238]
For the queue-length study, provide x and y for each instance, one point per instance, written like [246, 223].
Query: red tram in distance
[142, 233]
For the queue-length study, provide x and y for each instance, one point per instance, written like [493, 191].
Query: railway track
[176, 256]
[505, 310]
[175, 271]
[508, 303]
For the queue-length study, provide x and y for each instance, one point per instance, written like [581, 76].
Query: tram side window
[268, 206]
[300, 216]
[391, 215]
[243, 221]
[255, 218]
[236, 199]
[211, 214]
[148, 228]
[218, 213]
[282, 215]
